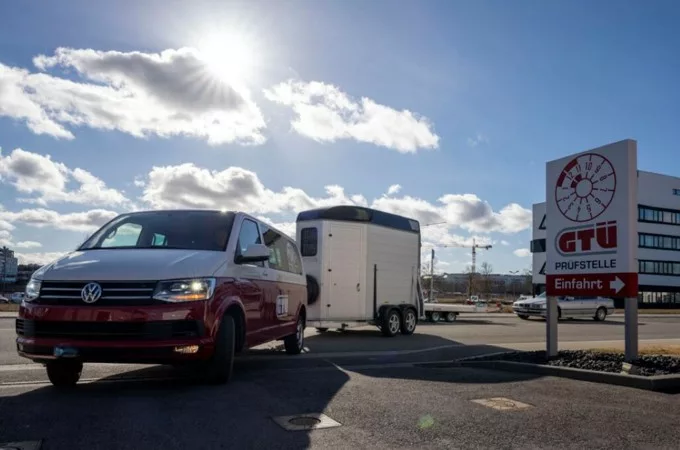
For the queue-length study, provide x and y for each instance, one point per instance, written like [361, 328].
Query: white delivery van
[362, 266]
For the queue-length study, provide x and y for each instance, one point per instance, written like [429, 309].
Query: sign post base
[551, 327]
[631, 328]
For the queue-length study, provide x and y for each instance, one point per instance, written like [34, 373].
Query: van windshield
[189, 230]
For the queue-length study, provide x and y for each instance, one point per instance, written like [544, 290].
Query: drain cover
[305, 422]
[501, 403]
[25, 445]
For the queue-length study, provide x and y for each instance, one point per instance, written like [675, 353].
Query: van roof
[349, 213]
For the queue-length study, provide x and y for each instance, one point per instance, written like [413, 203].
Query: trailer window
[308, 244]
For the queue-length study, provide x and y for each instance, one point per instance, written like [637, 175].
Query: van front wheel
[221, 365]
[64, 374]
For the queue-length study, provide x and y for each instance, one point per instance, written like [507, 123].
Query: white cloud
[38, 258]
[285, 227]
[235, 188]
[5, 239]
[87, 221]
[188, 186]
[477, 140]
[33, 173]
[506, 243]
[394, 189]
[28, 244]
[165, 94]
[522, 252]
[466, 211]
[326, 114]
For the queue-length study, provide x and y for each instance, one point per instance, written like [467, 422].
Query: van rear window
[309, 240]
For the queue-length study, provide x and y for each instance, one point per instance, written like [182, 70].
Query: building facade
[658, 229]
[9, 266]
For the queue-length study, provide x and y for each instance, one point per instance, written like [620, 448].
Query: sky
[442, 111]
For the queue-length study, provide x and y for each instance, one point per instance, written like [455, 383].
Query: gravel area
[648, 365]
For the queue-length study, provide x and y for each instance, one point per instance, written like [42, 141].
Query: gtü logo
[598, 239]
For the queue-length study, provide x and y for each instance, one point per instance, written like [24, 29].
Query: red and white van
[168, 287]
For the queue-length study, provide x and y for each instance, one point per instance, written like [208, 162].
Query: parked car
[567, 307]
[174, 287]
[3, 300]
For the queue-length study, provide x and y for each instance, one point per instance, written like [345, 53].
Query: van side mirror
[254, 253]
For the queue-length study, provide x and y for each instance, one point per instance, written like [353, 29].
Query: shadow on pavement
[463, 321]
[160, 407]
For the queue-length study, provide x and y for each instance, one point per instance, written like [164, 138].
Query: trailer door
[347, 267]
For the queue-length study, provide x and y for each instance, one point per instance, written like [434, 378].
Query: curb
[658, 383]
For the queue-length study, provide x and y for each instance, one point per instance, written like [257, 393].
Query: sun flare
[229, 58]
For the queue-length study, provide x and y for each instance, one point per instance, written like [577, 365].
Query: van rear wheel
[296, 342]
[391, 323]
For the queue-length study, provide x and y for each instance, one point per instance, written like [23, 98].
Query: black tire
[391, 323]
[435, 316]
[313, 290]
[322, 330]
[408, 325]
[221, 366]
[523, 316]
[296, 342]
[600, 314]
[451, 317]
[64, 374]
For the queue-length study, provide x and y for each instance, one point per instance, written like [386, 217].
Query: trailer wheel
[451, 317]
[435, 316]
[408, 325]
[312, 290]
[391, 323]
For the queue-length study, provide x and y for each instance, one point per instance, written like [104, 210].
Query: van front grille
[114, 293]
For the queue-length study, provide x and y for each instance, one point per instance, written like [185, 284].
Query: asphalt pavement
[365, 382]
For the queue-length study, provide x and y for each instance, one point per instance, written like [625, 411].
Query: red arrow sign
[593, 284]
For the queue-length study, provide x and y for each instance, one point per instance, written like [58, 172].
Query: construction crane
[474, 248]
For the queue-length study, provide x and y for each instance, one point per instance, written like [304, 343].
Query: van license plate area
[65, 352]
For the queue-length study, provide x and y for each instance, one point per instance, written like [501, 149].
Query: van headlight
[189, 290]
[32, 290]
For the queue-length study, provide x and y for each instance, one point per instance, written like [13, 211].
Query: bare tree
[472, 281]
[486, 270]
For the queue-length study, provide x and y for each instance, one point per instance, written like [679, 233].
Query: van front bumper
[165, 334]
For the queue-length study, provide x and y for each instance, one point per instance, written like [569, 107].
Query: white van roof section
[361, 214]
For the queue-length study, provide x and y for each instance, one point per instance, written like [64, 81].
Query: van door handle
[358, 287]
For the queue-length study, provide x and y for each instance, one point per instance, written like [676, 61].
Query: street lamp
[513, 272]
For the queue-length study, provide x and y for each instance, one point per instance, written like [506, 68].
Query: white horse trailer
[363, 266]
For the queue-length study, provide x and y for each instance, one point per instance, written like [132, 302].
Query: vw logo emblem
[91, 292]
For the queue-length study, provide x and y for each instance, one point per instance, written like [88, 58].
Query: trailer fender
[313, 290]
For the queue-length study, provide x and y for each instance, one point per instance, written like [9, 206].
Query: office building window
[537, 246]
[658, 241]
[668, 268]
[659, 297]
[658, 215]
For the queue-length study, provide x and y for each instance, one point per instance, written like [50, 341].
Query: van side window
[249, 234]
[277, 246]
[308, 241]
[294, 262]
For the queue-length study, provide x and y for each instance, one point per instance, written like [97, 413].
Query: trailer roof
[361, 214]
